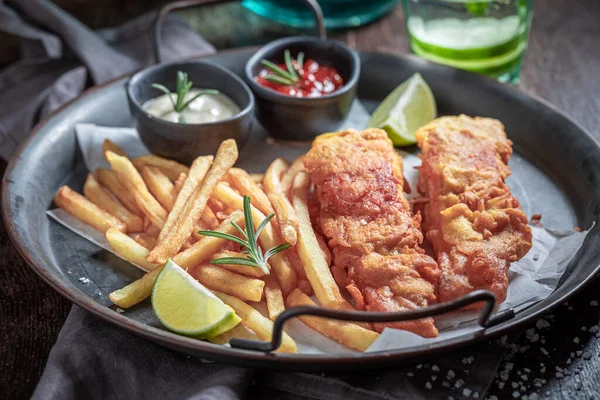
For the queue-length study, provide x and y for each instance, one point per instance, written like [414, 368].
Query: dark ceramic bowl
[185, 142]
[296, 118]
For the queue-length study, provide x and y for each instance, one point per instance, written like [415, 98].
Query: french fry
[129, 249]
[262, 326]
[189, 242]
[273, 297]
[178, 233]
[268, 238]
[170, 168]
[180, 181]
[97, 195]
[216, 205]
[347, 333]
[136, 291]
[238, 269]
[287, 179]
[202, 249]
[257, 178]
[195, 175]
[112, 146]
[310, 253]
[109, 179]
[286, 216]
[86, 211]
[240, 286]
[272, 178]
[296, 263]
[134, 183]
[239, 331]
[140, 289]
[146, 240]
[209, 218]
[160, 186]
[242, 181]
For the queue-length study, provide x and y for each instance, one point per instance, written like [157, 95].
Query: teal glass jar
[338, 13]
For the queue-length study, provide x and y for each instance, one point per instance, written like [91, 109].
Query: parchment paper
[532, 278]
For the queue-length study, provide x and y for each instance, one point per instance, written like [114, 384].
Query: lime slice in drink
[186, 307]
[407, 108]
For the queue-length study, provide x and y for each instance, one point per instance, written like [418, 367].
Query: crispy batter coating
[369, 225]
[476, 227]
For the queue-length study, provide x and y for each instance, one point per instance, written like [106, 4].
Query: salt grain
[594, 303]
[542, 323]
[410, 374]
[516, 394]
[435, 368]
[543, 350]
[428, 385]
[120, 310]
[576, 339]
[467, 392]
[84, 280]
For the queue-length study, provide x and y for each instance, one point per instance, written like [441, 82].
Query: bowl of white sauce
[182, 118]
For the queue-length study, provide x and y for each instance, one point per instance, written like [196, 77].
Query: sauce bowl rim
[280, 44]
[134, 80]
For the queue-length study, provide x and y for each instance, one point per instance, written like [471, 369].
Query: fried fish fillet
[476, 227]
[369, 225]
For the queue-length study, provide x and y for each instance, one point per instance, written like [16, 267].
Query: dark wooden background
[562, 65]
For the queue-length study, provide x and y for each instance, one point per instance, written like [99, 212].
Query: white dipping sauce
[205, 109]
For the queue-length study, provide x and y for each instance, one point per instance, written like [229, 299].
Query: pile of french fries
[151, 209]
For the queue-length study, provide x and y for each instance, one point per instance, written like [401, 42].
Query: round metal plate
[556, 173]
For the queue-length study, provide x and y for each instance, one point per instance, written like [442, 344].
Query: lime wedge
[407, 108]
[186, 307]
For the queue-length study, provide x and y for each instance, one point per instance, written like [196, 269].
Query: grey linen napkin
[91, 358]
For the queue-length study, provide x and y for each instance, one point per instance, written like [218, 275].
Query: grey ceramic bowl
[296, 118]
[185, 142]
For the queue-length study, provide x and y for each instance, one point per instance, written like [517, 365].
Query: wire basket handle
[485, 319]
[315, 10]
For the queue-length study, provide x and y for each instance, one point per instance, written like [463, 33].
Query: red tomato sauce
[316, 80]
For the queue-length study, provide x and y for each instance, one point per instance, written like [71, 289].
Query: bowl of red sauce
[303, 86]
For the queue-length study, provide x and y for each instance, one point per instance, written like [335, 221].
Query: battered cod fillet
[369, 225]
[476, 227]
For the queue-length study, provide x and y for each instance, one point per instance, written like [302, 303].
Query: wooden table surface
[562, 65]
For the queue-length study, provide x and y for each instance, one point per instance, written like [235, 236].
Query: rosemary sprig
[182, 88]
[277, 70]
[249, 241]
[278, 75]
[289, 63]
[279, 80]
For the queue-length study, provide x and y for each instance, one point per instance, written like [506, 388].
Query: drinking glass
[483, 36]
[338, 13]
